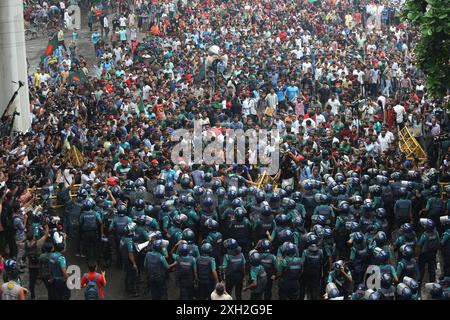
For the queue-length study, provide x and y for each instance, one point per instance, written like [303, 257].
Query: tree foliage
[432, 50]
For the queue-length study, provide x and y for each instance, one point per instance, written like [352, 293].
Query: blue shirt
[292, 92]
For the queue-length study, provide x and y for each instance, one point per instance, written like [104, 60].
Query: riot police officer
[185, 272]
[90, 224]
[117, 227]
[313, 262]
[427, 248]
[206, 271]
[128, 250]
[341, 276]
[403, 208]
[407, 266]
[289, 269]
[257, 276]
[240, 229]
[157, 266]
[269, 263]
[234, 267]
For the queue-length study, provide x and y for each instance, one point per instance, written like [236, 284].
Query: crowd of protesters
[337, 79]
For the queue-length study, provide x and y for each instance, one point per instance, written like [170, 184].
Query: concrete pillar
[13, 63]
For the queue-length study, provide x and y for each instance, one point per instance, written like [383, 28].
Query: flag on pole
[78, 77]
[51, 47]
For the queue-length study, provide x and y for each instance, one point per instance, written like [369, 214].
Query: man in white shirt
[383, 141]
[334, 103]
[400, 114]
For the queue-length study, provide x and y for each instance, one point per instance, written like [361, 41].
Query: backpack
[92, 292]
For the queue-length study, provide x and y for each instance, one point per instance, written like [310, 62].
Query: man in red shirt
[90, 276]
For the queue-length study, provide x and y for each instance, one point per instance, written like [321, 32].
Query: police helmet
[265, 245]
[242, 192]
[382, 180]
[208, 202]
[220, 192]
[297, 196]
[411, 283]
[190, 201]
[10, 265]
[344, 207]
[188, 235]
[281, 219]
[428, 224]
[211, 224]
[160, 191]
[102, 193]
[407, 251]
[178, 220]
[115, 190]
[230, 244]
[260, 196]
[435, 190]
[139, 204]
[139, 182]
[82, 194]
[255, 258]
[208, 177]
[327, 233]
[289, 190]
[406, 228]
[185, 181]
[268, 188]
[169, 186]
[289, 249]
[206, 249]
[396, 176]
[286, 235]
[435, 290]
[157, 245]
[357, 200]
[339, 177]
[332, 291]
[284, 202]
[266, 210]
[375, 190]
[239, 214]
[372, 172]
[380, 238]
[148, 209]
[198, 191]
[184, 249]
[275, 197]
[403, 292]
[298, 222]
[232, 193]
[386, 280]
[358, 237]
[381, 256]
[236, 203]
[282, 193]
[88, 204]
[129, 185]
[216, 184]
[381, 213]
[122, 210]
[311, 239]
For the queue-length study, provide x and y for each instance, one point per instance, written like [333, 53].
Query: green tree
[432, 50]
